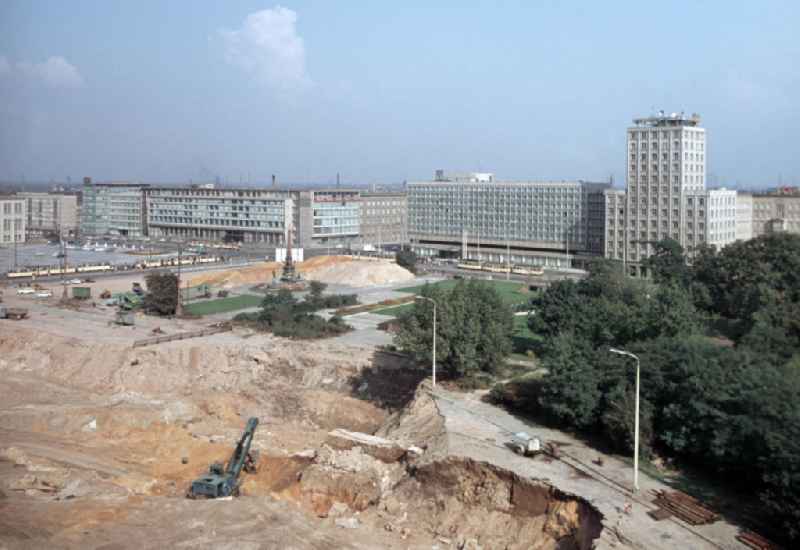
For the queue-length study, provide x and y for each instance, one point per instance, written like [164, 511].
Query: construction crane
[224, 482]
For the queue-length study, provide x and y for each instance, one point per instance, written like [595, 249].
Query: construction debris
[685, 507]
[377, 447]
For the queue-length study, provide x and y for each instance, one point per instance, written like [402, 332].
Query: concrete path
[479, 431]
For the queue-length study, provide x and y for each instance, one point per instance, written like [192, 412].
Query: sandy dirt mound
[342, 270]
[361, 273]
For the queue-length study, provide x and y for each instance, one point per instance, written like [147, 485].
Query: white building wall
[721, 217]
[12, 221]
[666, 164]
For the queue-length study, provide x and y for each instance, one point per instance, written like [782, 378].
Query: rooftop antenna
[274, 180]
[337, 180]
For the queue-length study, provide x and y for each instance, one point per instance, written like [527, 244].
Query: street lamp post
[433, 355]
[636, 421]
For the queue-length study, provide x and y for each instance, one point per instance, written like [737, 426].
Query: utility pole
[63, 264]
[636, 419]
[508, 256]
[433, 354]
[178, 305]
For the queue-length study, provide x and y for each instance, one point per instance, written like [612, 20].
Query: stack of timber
[684, 507]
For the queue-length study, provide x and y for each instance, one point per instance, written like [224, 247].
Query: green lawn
[223, 305]
[522, 339]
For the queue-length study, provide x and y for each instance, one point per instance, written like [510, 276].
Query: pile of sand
[361, 273]
[340, 270]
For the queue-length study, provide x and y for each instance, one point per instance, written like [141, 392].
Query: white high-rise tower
[666, 165]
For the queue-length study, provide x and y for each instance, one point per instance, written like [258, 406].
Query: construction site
[106, 427]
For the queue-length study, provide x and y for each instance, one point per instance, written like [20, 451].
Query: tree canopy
[473, 332]
[162, 293]
[719, 345]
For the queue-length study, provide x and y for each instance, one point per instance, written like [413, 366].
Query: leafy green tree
[671, 312]
[667, 264]
[162, 293]
[557, 310]
[316, 288]
[277, 307]
[407, 259]
[570, 393]
[743, 276]
[473, 333]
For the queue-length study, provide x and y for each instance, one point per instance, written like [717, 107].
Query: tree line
[719, 344]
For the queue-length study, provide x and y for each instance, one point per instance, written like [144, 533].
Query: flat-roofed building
[316, 218]
[547, 223]
[666, 164]
[744, 216]
[329, 218]
[384, 218]
[51, 213]
[13, 220]
[113, 209]
[614, 224]
[209, 214]
[775, 212]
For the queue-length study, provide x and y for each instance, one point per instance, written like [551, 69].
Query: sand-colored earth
[338, 270]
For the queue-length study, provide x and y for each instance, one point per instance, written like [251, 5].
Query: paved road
[479, 431]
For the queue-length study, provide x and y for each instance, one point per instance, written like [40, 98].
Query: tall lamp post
[636, 421]
[433, 354]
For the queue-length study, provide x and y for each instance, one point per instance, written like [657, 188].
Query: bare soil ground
[99, 442]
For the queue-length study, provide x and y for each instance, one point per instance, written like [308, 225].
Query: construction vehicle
[224, 482]
[525, 445]
[137, 289]
[15, 313]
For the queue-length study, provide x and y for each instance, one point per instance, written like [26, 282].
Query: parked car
[74, 282]
[524, 444]
[26, 291]
[44, 294]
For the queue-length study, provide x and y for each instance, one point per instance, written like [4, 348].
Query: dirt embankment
[84, 424]
[425, 493]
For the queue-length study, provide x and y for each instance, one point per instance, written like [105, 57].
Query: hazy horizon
[173, 92]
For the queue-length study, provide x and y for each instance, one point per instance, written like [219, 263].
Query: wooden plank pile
[756, 541]
[685, 507]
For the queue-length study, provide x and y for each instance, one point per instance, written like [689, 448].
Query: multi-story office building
[476, 217]
[720, 222]
[744, 216]
[251, 215]
[384, 218]
[709, 218]
[774, 212]
[113, 209]
[51, 213]
[614, 224]
[319, 218]
[666, 164]
[329, 217]
[13, 220]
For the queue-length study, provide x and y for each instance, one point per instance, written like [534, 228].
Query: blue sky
[389, 91]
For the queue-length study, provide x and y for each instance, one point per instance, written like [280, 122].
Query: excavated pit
[85, 423]
[453, 499]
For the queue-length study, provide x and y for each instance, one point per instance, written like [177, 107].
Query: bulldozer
[221, 481]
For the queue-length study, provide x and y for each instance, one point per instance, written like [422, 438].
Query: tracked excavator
[223, 481]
